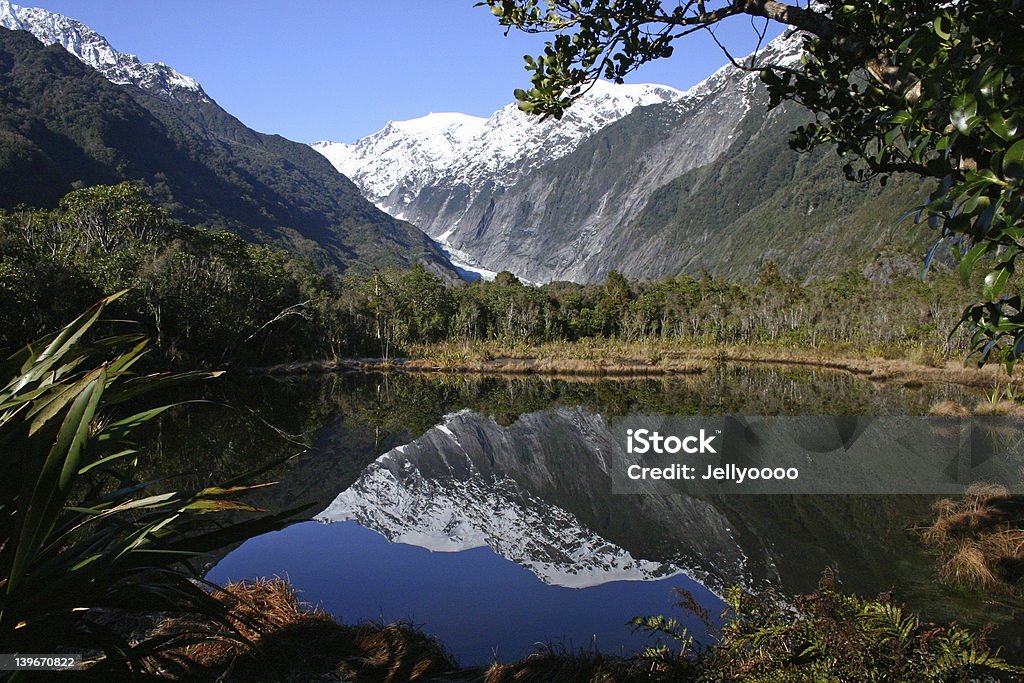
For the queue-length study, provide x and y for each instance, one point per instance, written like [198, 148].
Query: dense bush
[201, 295]
[209, 297]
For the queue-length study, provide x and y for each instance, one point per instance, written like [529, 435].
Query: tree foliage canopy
[210, 298]
[898, 86]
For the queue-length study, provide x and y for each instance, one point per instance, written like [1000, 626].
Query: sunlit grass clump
[980, 539]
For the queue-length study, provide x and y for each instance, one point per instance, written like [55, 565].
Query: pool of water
[484, 607]
[481, 510]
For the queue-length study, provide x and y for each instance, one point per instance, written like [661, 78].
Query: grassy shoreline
[616, 359]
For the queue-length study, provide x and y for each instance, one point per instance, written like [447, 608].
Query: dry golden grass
[285, 639]
[617, 358]
[979, 538]
[982, 492]
[968, 565]
[613, 358]
[949, 409]
[1003, 407]
[1007, 544]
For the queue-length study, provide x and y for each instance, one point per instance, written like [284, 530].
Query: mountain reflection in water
[496, 527]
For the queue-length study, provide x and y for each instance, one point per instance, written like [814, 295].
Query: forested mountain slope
[63, 125]
[701, 180]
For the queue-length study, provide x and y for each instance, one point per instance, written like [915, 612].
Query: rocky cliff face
[699, 180]
[566, 219]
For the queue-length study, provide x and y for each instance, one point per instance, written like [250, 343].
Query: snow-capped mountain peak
[445, 122]
[404, 156]
[94, 50]
[498, 199]
[426, 145]
[604, 99]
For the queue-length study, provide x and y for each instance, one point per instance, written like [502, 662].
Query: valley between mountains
[398, 372]
[644, 179]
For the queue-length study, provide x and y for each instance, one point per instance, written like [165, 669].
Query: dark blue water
[483, 607]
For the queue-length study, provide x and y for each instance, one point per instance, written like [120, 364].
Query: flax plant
[91, 560]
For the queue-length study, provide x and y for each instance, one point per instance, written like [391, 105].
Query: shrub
[90, 557]
[824, 636]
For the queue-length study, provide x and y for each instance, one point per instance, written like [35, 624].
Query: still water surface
[481, 508]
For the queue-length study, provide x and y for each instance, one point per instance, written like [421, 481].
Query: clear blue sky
[341, 69]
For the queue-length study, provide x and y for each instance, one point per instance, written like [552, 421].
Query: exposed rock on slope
[698, 180]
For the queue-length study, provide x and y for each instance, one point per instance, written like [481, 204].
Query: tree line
[916, 87]
[210, 298]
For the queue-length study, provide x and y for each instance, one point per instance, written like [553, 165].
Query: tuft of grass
[1000, 407]
[949, 409]
[967, 565]
[979, 539]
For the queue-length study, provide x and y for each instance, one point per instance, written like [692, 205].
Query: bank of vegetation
[96, 549]
[822, 636]
[208, 298]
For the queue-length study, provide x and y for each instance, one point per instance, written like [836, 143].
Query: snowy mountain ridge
[493, 192]
[392, 165]
[402, 149]
[430, 494]
[95, 51]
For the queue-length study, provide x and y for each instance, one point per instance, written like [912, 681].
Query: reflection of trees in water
[253, 415]
[348, 420]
